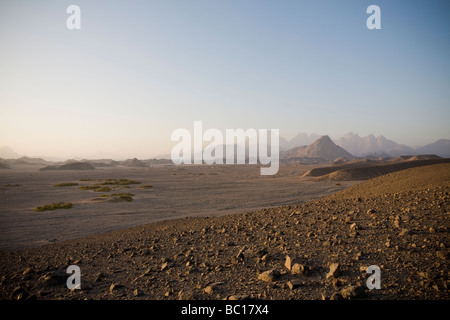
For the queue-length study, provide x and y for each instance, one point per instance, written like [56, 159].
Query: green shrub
[94, 187]
[120, 182]
[146, 186]
[102, 189]
[54, 206]
[114, 197]
[66, 184]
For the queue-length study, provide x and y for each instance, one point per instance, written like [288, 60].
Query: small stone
[298, 268]
[138, 293]
[115, 287]
[294, 283]
[336, 296]
[289, 262]
[27, 271]
[335, 271]
[164, 266]
[441, 255]
[269, 276]
[265, 257]
[353, 233]
[209, 289]
[349, 292]
[404, 232]
[432, 230]
[54, 278]
[186, 295]
[17, 291]
[240, 255]
[397, 222]
[238, 297]
[168, 292]
[99, 276]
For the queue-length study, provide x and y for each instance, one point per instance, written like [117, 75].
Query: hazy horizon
[138, 70]
[122, 157]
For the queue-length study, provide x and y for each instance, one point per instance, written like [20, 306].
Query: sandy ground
[177, 191]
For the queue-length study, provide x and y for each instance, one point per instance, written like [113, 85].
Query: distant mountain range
[371, 146]
[306, 148]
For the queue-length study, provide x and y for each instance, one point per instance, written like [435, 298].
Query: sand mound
[369, 170]
[413, 179]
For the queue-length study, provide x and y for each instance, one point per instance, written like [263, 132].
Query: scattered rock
[114, 287]
[397, 222]
[294, 283]
[335, 271]
[164, 266]
[350, 292]
[240, 255]
[54, 278]
[298, 269]
[27, 271]
[404, 232]
[269, 275]
[290, 262]
[441, 255]
[19, 293]
[138, 293]
[238, 297]
[186, 295]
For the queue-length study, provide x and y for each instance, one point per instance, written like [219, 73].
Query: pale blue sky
[137, 70]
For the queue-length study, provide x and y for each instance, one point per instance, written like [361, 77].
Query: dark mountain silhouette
[321, 150]
[134, 163]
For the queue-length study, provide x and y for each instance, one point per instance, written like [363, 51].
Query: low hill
[4, 166]
[440, 147]
[70, 166]
[135, 163]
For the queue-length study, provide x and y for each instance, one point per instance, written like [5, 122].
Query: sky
[137, 70]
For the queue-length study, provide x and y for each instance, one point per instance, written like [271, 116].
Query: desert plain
[223, 232]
